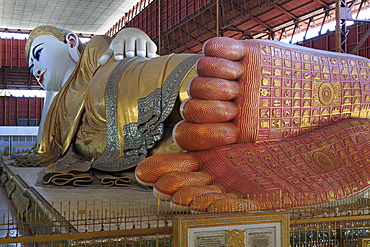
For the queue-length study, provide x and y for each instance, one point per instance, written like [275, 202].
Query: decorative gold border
[44, 30]
[364, 242]
[183, 223]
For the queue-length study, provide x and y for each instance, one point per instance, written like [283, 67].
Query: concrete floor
[68, 201]
[61, 194]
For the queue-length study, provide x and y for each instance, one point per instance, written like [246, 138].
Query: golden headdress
[44, 30]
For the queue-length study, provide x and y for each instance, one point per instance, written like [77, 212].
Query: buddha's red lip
[42, 77]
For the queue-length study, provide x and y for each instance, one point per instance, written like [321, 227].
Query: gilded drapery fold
[111, 115]
[139, 96]
[66, 108]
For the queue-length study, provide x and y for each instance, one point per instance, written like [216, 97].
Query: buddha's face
[49, 62]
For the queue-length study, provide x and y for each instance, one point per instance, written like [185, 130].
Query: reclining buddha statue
[240, 125]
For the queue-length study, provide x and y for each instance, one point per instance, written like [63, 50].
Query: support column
[340, 27]
[343, 14]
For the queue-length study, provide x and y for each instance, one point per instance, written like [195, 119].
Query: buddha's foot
[292, 101]
[327, 164]
[260, 90]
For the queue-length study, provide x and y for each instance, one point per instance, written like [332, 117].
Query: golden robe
[109, 117]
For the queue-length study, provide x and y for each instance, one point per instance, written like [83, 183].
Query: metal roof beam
[322, 3]
[260, 22]
[285, 11]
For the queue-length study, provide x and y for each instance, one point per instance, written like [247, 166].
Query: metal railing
[149, 223]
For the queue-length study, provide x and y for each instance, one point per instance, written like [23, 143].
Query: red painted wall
[356, 32]
[14, 108]
[171, 12]
[12, 53]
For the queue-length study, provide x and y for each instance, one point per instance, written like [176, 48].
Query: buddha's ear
[73, 43]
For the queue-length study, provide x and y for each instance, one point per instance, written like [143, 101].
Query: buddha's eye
[37, 54]
[36, 51]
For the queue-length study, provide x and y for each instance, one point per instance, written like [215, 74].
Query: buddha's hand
[130, 42]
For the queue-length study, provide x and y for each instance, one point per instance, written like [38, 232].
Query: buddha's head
[52, 54]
